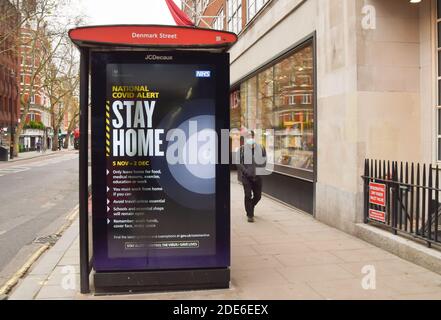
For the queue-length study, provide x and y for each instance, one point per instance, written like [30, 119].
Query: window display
[294, 110]
[235, 120]
[281, 98]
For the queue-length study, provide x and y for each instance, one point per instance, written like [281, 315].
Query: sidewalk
[29, 155]
[286, 254]
[33, 155]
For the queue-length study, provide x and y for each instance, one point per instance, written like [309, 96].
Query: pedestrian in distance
[251, 160]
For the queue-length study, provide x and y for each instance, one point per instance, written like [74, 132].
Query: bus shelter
[154, 215]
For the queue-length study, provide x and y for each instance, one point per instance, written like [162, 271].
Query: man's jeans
[253, 193]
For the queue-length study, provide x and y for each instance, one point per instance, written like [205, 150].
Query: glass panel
[235, 122]
[439, 63]
[265, 101]
[439, 8]
[439, 121]
[243, 105]
[439, 34]
[439, 92]
[294, 110]
[439, 149]
[235, 114]
[239, 19]
[265, 107]
[252, 10]
[281, 98]
[252, 103]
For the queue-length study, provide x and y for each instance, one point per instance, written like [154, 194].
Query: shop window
[234, 15]
[253, 7]
[235, 119]
[265, 99]
[294, 132]
[280, 98]
[252, 103]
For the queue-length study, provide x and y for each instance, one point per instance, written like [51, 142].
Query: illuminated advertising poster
[157, 185]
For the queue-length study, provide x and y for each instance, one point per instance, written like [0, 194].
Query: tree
[61, 84]
[24, 11]
[74, 113]
[43, 29]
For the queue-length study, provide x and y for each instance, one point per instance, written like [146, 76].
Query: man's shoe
[250, 219]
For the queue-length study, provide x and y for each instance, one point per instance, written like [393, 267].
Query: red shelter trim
[151, 36]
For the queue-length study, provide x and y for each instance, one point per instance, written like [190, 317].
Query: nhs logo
[203, 74]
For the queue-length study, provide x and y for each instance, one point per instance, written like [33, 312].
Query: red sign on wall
[377, 215]
[377, 194]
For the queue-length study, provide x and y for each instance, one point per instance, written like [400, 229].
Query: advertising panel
[160, 197]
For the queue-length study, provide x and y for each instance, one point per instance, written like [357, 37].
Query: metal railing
[403, 198]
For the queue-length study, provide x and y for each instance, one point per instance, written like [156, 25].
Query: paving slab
[285, 255]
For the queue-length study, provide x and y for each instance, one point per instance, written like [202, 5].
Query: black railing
[404, 198]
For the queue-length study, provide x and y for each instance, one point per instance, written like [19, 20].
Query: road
[36, 196]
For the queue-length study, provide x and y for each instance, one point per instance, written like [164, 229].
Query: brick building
[9, 71]
[37, 129]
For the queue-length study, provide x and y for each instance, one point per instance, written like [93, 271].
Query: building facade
[337, 81]
[37, 131]
[9, 71]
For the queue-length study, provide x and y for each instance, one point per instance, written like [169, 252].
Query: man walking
[252, 158]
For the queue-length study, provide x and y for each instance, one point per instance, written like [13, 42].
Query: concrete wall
[427, 80]
[375, 110]
[338, 145]
[389, 81]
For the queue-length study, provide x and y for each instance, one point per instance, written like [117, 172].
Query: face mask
[250, 142]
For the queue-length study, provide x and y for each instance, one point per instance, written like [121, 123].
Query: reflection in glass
[281, 98]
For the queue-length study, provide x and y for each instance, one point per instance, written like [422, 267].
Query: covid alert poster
[160, 196]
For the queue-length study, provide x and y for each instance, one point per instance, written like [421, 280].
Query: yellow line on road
[22, 271]
[6, 288]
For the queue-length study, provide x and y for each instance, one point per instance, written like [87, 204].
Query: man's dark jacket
[249, 159]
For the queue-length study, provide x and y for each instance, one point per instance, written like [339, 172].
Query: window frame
[219, 19]
[234, 16]
[256, 8]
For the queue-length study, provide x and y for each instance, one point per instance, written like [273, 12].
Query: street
[36, 196]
